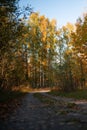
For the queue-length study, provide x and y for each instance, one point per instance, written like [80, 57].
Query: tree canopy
[35, 51]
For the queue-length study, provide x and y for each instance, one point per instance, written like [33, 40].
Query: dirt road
[32, 114]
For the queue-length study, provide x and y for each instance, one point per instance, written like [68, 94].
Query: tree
[10, 30]
[65, 58]
[41, 49]
[80, 47]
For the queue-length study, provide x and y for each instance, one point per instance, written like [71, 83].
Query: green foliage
[80, 94]
[12, 70]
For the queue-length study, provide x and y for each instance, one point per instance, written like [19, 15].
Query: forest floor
[42, 111]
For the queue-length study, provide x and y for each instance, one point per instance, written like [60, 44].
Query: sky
[62, 10]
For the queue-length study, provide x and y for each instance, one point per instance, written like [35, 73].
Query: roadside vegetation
[44, 99]
[79, 94]
[9, 96]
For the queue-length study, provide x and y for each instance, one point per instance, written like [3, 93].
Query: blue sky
[62, 10]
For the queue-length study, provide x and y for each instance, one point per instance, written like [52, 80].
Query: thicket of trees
[35, 51]
[11, 67]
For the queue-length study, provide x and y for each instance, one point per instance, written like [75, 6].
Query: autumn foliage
[35, 51]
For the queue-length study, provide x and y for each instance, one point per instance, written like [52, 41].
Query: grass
[79, 94]
[8, 95]
[44, 99]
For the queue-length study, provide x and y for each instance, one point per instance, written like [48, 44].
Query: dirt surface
[32, 114]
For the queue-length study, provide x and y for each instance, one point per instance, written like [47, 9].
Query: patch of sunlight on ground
[40, 91]
[31, 90]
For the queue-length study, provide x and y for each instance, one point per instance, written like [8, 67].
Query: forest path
[32, 114]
